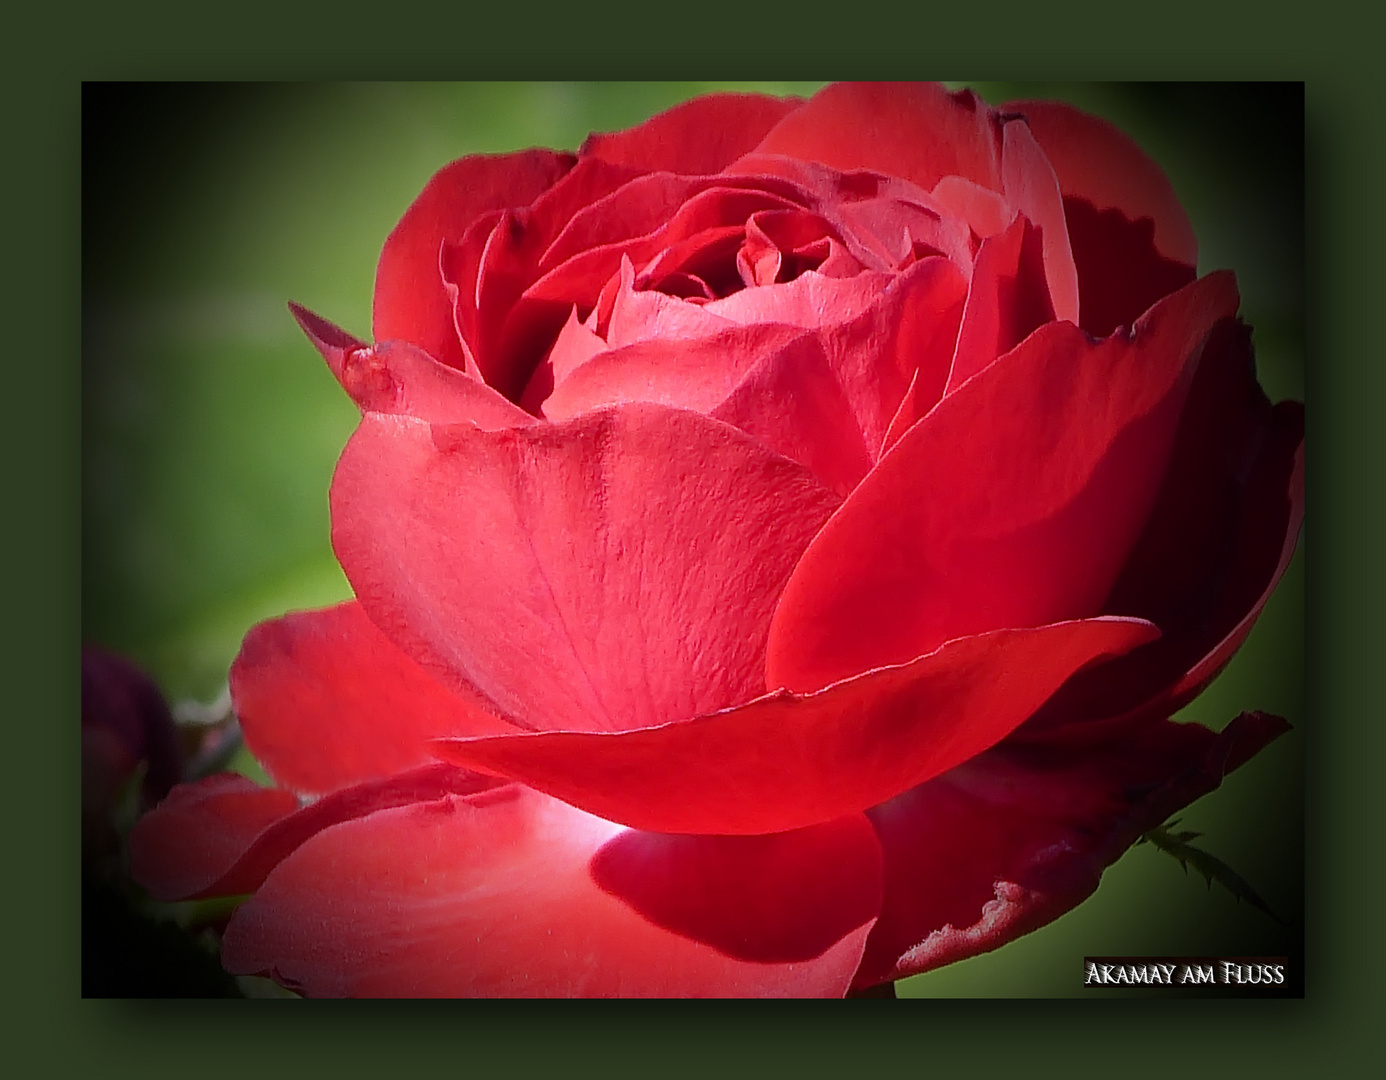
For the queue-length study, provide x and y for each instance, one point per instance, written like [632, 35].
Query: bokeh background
[211, 427]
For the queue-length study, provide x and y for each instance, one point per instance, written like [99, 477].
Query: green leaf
[1177, 846]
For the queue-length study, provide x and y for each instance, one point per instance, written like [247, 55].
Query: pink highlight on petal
[511, 894]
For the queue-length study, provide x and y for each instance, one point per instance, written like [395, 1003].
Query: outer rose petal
[411, 302]
[327, 701]
[699, 137]
[1221, 535]
[1072, 441]
[784, 761]
[221, 836]
[916, 131]
[1095, 161]
[190, 839]
[612, 572]
[1019, 835]
[511, 894]
[396, 377]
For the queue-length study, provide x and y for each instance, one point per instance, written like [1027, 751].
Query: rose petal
[785, 761]
[1073, 441]
[628, 212]
[191, 838]
[897, 230]
[518, 328]
[698, 137]
[222, 836]
[396, 377]
[508, 263]
[511, 894]
[459, 264]
[985, 211]
[1276, 493]
[639, 315]
[698, 373]
[411, 303]
[326, 701]
[830, 408]
[782, 244]
[916, 131]
[1219, 538]
[575, 345]
[1120, 273]
[823, 399]
[1032, 189]
[1007, 301]
[1096, 162]
[810, 300]
[615, 571]
[1021, 834]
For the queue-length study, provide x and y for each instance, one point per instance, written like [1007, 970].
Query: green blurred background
[211, 427]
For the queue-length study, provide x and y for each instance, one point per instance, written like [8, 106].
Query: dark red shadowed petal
[1275, 494]
[1095, 161]
[786, 761]
[1219, 538]
[699, 137]
[1032, 189]
[411, 303]
[575, 345]
[1021, 834]
[223, 835]
[615, 571]
[1015, 502]
[396, 377]
[747, 896]
[494, 266]
[916, 131]
[511, 894]
[1120, 273]
[326, 701]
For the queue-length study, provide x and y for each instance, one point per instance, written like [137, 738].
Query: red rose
[780, 534]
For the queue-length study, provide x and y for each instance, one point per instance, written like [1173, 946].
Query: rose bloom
[780, 535]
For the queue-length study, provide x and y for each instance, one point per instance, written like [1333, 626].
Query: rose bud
[780, 534]
[126, 724]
